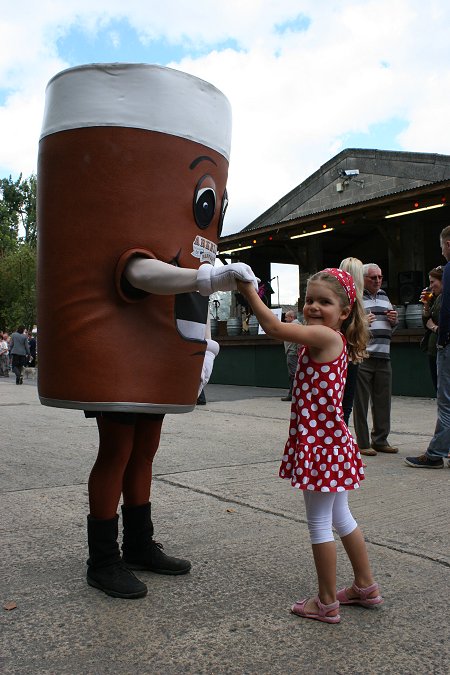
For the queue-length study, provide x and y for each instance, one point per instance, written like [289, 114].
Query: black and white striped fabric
[380, 329]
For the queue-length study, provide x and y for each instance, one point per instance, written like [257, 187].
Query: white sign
[278, 312]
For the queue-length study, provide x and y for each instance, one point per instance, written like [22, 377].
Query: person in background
[354, 267]
[8, 341]
[4, 355]
[438, 448]
[374, 380]
[291, 351]
[20, 352]
[431, 299]
[201, 398]
[32, 345]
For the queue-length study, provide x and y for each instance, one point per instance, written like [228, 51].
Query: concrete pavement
[218, 501]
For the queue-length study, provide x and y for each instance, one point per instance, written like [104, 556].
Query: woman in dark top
[430, 318]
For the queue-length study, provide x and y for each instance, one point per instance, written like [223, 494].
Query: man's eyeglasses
[375, 277]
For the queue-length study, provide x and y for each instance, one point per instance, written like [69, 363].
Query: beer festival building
[380, 206]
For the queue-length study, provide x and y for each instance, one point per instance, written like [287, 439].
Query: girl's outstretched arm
[320, 337]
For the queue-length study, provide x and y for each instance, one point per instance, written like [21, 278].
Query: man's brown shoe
[385, 448]
[368, 451]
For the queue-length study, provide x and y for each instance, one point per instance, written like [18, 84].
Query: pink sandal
[362, 598]
[322, 615]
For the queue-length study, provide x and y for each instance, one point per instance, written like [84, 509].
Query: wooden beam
[297, 255]
[390, 239]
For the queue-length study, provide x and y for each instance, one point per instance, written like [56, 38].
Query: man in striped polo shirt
[374, 382]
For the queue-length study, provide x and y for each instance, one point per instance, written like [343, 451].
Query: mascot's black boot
[140, 552]
[106, 570]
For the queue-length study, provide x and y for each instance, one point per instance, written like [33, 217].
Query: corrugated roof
[419, 167]
[362, 201]
[340, 208]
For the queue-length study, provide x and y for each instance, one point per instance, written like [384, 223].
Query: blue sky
[122, 41]
[305, 78]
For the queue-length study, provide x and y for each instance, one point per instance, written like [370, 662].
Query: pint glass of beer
[133, 161]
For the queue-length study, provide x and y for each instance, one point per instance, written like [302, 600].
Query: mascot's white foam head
[139, 96]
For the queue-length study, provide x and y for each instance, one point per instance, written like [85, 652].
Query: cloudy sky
[305, 78]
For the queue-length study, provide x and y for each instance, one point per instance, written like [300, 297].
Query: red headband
[346, 281]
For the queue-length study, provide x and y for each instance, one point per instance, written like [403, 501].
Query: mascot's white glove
[211, 279]
[212, 350]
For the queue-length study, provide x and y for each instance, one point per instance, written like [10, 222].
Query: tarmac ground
[216, 500]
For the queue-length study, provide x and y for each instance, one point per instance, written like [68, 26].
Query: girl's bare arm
[314, 336]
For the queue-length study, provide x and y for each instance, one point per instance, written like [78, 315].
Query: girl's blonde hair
[354, 267]
[355, 327]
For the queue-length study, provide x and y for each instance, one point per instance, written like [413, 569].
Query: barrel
[414, 316]
[234, 326]
[214, 327]
[253, 325]
[401, 312]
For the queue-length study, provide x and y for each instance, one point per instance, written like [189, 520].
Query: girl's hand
[244, 287]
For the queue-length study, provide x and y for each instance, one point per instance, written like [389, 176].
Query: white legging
[325, 510]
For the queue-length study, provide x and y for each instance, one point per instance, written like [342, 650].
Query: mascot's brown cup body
[133, 160]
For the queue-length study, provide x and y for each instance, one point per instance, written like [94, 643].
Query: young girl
[321, 457]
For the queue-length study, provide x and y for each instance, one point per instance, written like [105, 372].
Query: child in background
[4, 356]
[321, 458]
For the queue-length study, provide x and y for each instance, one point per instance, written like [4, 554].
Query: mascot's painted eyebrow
[203, 158]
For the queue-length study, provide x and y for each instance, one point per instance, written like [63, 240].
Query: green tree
[29, 210]
[18, 287]
[17, 212]
[17, 252]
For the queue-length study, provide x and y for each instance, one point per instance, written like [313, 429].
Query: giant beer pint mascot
[133, 163]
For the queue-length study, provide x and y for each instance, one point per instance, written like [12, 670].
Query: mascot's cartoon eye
[204, 206]
[222, 213]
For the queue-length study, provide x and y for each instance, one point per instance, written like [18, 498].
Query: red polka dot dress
[320, 454]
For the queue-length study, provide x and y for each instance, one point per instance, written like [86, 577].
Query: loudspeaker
[410, 285]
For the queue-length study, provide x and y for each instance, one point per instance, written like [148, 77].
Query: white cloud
[294, 95]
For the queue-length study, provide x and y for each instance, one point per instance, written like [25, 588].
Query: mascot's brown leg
[107, 475]
[106, 570]
[137, 478]
[140, 552]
